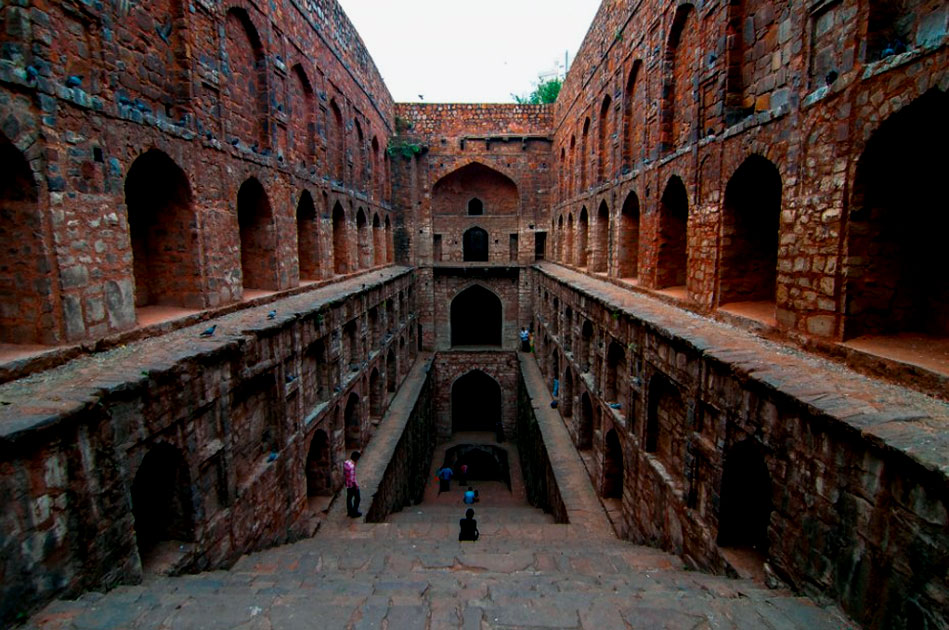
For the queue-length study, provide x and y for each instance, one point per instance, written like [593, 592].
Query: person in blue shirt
[470, 496]
[444, 479]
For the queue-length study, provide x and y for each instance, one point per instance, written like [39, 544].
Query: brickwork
[501, 367]
[254, 418]
[145, 112]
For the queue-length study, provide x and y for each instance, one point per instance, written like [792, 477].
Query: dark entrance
[475, 402]
[475, 244]
[485, 462]
[319, 466]
[161, 500]
[613, 467]
[353, 423]
[476, 318]
[746, 499]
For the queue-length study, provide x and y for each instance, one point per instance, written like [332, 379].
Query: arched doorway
[161, 500]
[392, 376]
[751, 216]
[476, 318]
[362, 239]
[586, 345]
[615, 372]
[894, 269]
[628, 245]
[258, 248]
[378, 241]
[352, 421]
[585, 428]
[673, 246]
[24, 259]
[475, 245]
[746, 498]
[582, 231]
[475, 402]
[566, 386]
[613, 467]
[340, 241]
[308, 248]
[319, 466]
[162, 230]
[601, 239]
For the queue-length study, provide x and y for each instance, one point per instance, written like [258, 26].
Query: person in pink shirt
[352, 486]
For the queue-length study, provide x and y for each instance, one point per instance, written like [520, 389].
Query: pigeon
[209, 332]
[272, 314]
[32, 73]
[234, 141]
[272, 457]
[290, 378]
[73, 80]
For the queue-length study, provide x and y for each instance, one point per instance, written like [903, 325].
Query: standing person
[469, 527]
[463, 475]
[444, 479]
[525, 340]
[352, 486]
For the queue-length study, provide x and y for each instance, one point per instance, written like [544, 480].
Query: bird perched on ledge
[272, 314]
[209, 332]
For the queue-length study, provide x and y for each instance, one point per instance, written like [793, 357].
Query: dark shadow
[475, 402]
[476, 318]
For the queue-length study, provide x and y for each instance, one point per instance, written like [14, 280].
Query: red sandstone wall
[691, 91]
[229, 95]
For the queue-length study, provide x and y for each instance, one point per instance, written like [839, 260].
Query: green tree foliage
[545, 92]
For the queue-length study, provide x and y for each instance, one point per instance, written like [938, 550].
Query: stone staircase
[412, 573]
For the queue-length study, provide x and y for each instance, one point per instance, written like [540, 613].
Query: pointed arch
[673, 230]
[319, 466]
[475, 244]
[246, 69]
[378, 241]
[585, 426]
[474, 189]
[677, 65]
[340, 240]
[476, 317]
[605, 144]
[363, 240]
[628, 238]
[337, 142]
[162, 500]
[584, 154]
[612, 487]
[632, 120]
[475, 402]
[302, 117]
[601, 239]
[258, 242]
[583, 229]
[308, 238]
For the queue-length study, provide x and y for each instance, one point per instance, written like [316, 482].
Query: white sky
[468, 51]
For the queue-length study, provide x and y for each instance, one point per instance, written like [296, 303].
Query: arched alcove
[675, 117]
[308, 240]
[376, 395]
[363, 240]
[615, 373]
[162, 500]
[337, 143]
[673, 245]
[632, 120]
[584, 155]
[246, 85]
[352, 421]
[378, 241]
[571, 256]
[583, 224]
[612, 467]
[475, 207]
[392, 374]
[751, 217]
[25, 282]
[162, 230]
[476, 318]
[601, 239]
[665, 418]
[340, 240]
[584, 355]
[604, 148]
[566, 396]
[745, 498]
[390, 252]
[628, 241]
[585, 426]
[475, 402]
[475, 245]
[474, 189]
[258, 246]
[319, 466]
[894, 267]
[302, 116]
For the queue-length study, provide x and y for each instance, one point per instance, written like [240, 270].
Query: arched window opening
[378, 241]
[376, 182]
[586, 345]
[745, 499]
[584, 155]
[337, 145]
[613, 467]
[615, 373]
[162, 503]
[677, 64]
[475, 245]
[340, 241]
[161, 225]
[362, 239]
[475, 403]
[351, 343]
[572, 167]
[568, 330]
[601, 239]
[390, 246]
[315, 375]
[673, 246]
[392, 373]
[376, 395]
[583, 223]
[627, 266]
[632, 121]
[308, 238]
[302, 117]
[319, 466]
[555, 318]
[585, 428]
[247, 85]
[896, 230]
[566, 397]
[476, 318]
[891, 28]
[475, 207]
[665, 420]
[358, 158]
[24, 258]
[603, 162]
[751, 217]
[353, 423]
[255, 219]
[571, 256]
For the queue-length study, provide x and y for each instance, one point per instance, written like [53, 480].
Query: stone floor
[411, 572]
